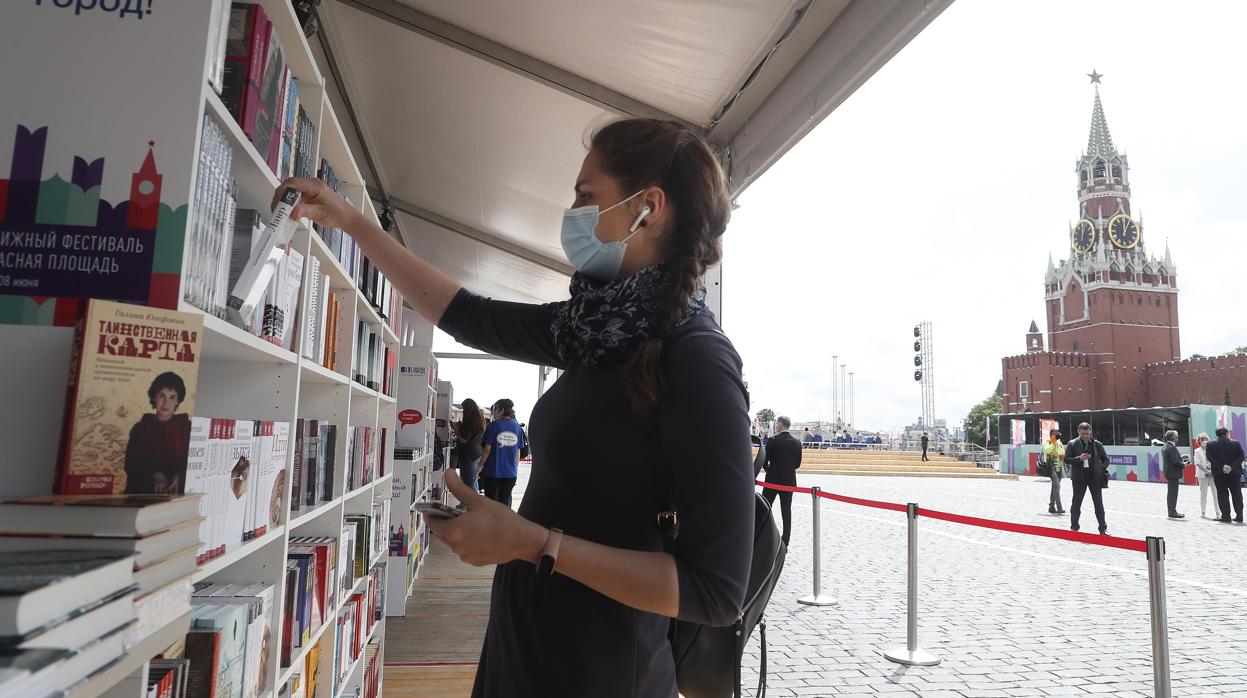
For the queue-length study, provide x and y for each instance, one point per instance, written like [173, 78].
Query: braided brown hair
[641, 153]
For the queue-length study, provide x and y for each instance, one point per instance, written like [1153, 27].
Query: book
[23, 670]
[156, 574]
[80, 625]
[290, 595]
[232, 620]
[312, 326]
[239, 482]
[203, 649]
[38, 586]
[130, 363]
[246, 53]
[116, 515]
[148, 548]
[289, 128]
[267, 116]
[156, 609]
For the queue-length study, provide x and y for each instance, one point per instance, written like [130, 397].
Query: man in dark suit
[925, 441]
[1088, 466]
[1174, 467]
[1225, 457]
[783, 457]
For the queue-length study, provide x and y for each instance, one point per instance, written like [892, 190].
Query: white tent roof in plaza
[471, 116]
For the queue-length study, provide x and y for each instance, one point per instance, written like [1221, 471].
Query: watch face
[1083, 236]
[1123, 231]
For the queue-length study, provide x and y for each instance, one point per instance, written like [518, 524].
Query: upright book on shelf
[131, 390]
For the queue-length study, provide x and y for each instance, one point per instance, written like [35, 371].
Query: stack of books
[356, 620]
[158, 532]
[64, 615]
[214, 207]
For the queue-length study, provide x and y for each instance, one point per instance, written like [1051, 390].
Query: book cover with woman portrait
[131, 393]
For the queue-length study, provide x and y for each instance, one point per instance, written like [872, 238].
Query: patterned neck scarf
[605, 322]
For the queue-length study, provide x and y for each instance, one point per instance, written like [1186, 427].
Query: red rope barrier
[783, 488]
[1137, 546]
[1130, 544]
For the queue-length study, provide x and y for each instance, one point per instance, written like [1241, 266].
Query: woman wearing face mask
[583, 591]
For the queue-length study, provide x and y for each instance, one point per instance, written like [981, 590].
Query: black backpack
[707, 658]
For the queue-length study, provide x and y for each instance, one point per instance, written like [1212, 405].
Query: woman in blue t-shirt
[500, 454]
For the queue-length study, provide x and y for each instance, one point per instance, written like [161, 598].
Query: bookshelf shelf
[357, 492]
[225, 342]
[133, 660]
[298, 54]
[389, 399]
[362, 391]
[212, 567]
[306, 517]
[256, 182]
[315, 373]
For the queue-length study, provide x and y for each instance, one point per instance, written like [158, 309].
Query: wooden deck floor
[433, 650]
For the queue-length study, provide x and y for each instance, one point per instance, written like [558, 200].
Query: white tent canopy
[471, 116]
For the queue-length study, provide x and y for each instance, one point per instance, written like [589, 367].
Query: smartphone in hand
[438, 510]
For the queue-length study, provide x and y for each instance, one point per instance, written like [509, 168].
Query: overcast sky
[937, 191]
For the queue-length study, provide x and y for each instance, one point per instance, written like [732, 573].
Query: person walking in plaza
[1174, 468]
[468, 433]
[783, 457]
[1203, 473]
[1225, 456]
[500, 452]
[1088, 465]
[925, 441]
[584, 590]
[1054, 456]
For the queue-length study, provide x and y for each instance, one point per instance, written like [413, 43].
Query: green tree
[1240, 350]
[976, 421]
[766, 415]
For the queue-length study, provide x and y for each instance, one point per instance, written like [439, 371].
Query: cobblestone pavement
[1008, 614]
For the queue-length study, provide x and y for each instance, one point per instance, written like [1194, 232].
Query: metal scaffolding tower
[924, 371]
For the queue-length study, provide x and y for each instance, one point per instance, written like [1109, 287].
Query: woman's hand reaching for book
[318, 203]
[488, 533]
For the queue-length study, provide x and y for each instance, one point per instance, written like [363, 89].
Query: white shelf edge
[211, 567]
[331, 376]
[135, 657]
[364, 390]
[320, 249]
[358, 491]
[306, 516]
[235, 133]
[245, 340]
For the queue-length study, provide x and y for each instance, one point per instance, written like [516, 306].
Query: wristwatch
[550, 553]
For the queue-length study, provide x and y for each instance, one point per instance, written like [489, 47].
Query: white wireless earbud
[645, 211]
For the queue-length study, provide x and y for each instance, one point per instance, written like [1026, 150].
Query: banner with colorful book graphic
[93, 201]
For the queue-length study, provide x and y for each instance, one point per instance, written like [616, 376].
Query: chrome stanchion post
[818, 598]
[911, 654]
[1160, 617]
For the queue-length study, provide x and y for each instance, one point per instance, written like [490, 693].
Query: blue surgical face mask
[589, 255]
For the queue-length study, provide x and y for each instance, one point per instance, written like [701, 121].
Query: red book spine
[261, 28]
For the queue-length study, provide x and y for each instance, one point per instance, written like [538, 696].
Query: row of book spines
[356, 620]
[262, 93]
[226, 643]
[319, 571]
[375, 365]
[315, 462]
[367, 455]
[322, 335]
[238, 465]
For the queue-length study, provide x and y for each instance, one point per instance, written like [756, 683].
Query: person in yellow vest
[1053, 454]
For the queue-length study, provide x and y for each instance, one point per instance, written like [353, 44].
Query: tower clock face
[1083, 236]
[1123, 231]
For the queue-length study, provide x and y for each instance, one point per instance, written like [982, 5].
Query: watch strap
[550, 552]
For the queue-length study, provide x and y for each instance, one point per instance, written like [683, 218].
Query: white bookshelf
[241, 376]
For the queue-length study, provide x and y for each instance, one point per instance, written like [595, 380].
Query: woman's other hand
[317, 202]
[488, 533]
